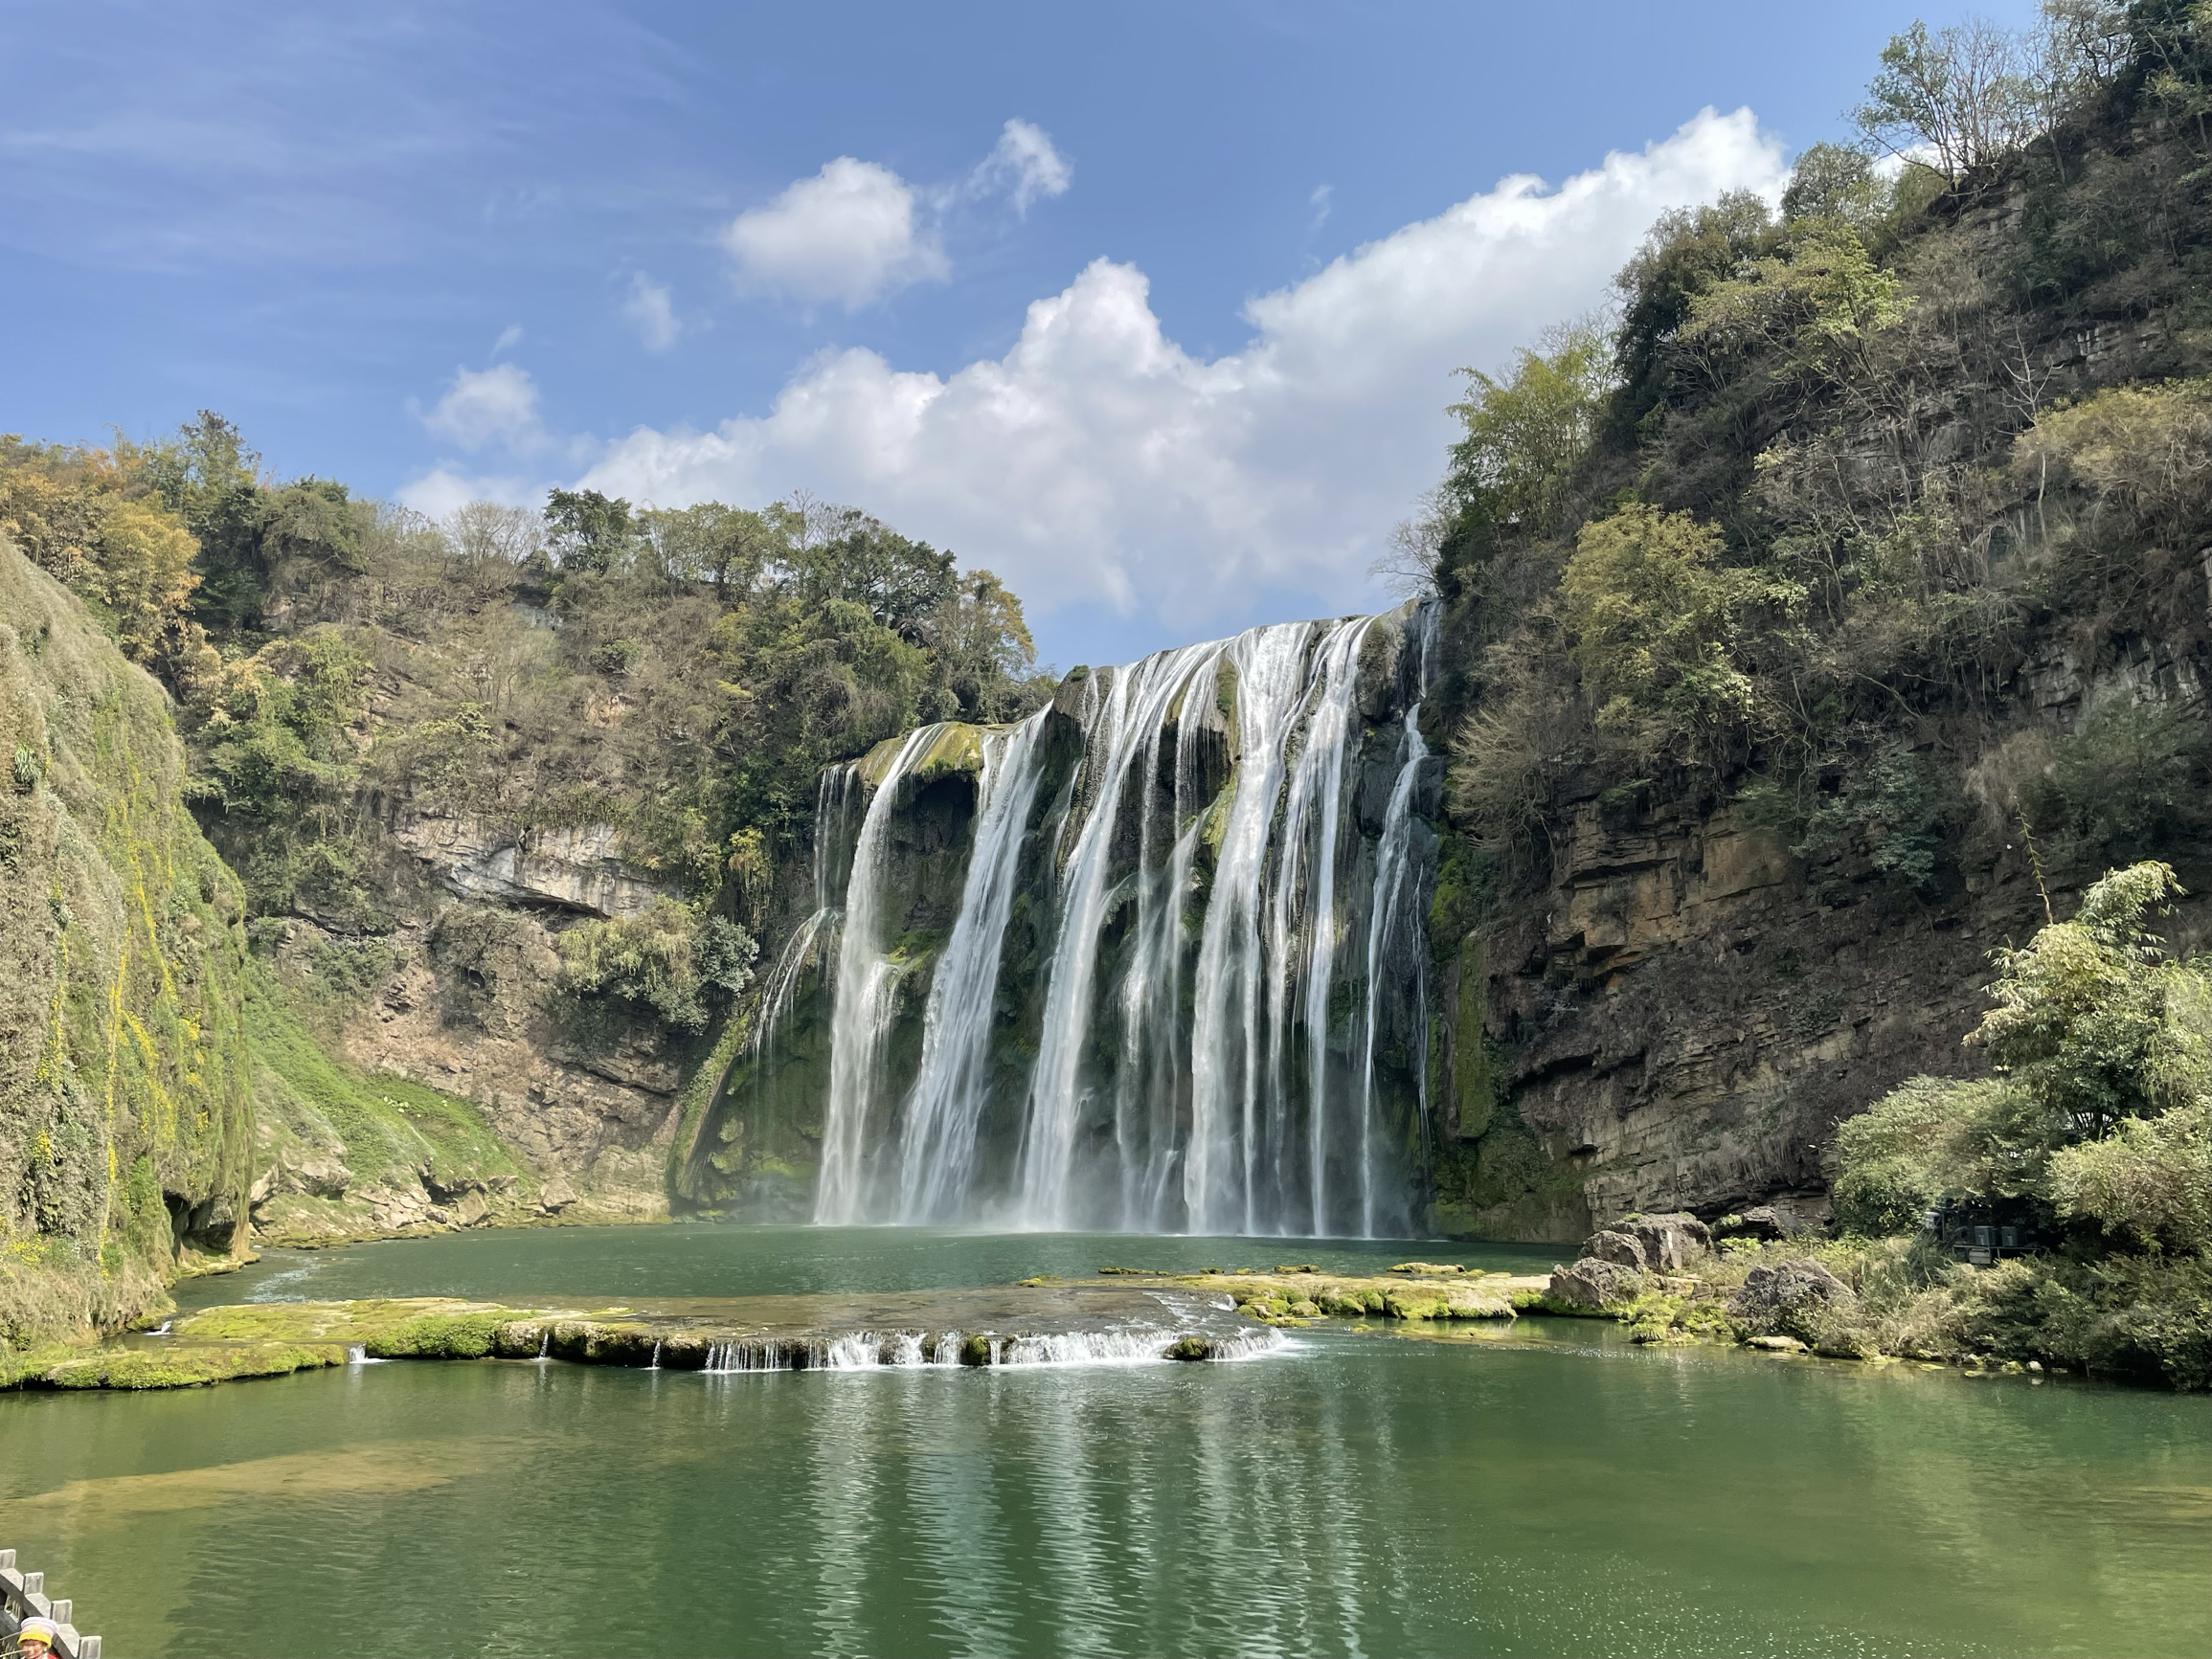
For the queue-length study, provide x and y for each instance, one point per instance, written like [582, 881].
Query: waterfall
[1217, 865]
[832, 809]
[1126, 728]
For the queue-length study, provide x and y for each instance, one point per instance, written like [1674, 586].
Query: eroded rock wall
[1680, 1017]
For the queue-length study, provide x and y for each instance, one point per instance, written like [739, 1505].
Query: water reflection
[1360, 1496]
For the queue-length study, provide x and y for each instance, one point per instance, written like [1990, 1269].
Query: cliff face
[125, 1113]
[1681, 1018]
[435, 962]
[456, 989]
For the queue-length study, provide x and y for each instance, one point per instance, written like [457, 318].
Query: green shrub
[666, 960]
[441, 1336]
[2149, 1183]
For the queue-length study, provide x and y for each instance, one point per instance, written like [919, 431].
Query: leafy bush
[2140, 453]
[666, 960]
[1931, 1137]
[1659, 623]
[2149, 1182]
[1892, 805]
[1525, 437]
[2135, 778]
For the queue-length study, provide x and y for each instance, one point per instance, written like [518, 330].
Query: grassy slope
[385, 1131]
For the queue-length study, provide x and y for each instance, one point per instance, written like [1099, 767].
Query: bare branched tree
[487, 541]
[1408, 569]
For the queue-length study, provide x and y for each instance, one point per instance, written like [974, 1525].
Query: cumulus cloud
[649, 309]
[852, 233]
[444, 488]
[484, 406]
[1025, 166]
[1098, 460]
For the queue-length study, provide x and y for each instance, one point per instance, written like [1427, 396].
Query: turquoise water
[616, 1264]
[1548, 1490]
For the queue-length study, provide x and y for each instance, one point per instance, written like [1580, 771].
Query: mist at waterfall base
[1185, 985]
[1545, 1488]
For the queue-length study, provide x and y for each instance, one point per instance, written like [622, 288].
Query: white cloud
[1322, 198]
[852, 233]
[510, 337]
[487, 404]
[442, 488]
[1098, 460]
[649, 310]
[1024, 164]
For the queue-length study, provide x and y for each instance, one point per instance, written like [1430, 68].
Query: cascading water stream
[867, 978]
[1302, 910]
[1122, 731]
[1392, 866]
[938, 1133]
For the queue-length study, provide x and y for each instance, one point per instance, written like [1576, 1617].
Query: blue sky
[1153, 308]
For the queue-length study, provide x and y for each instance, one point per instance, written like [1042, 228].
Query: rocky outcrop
[1593, 1285]
[1622, 1250]
[465, 1003]
[1790, 1299]
[1681, 1018]
[579, 869]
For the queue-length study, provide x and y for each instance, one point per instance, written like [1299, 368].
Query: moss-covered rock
[189, 1366]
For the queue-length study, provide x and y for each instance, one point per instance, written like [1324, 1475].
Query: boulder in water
[1593, 1285]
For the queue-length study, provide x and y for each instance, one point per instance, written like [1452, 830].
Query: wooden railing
[23, 1596]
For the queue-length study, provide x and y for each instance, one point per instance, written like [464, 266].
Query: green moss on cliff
[125, 1113]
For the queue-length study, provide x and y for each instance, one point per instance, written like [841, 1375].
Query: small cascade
[834, 794]
[920, 1351]
[545, 1342]
[867, 980]
[1182, 987]
[1394, 869]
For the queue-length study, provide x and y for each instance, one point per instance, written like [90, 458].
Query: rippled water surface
[1550, 1491]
